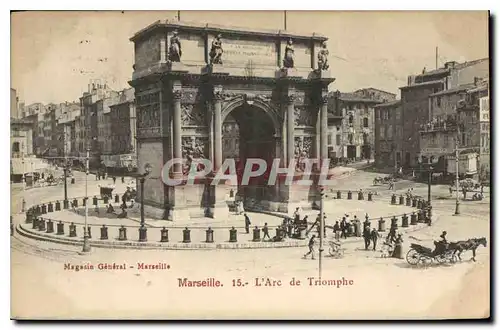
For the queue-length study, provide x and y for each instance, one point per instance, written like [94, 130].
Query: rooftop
[388, 104]
[428, 83]
[454, 90]
[216, 28]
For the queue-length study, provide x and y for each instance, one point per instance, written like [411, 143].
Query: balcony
[449, 124]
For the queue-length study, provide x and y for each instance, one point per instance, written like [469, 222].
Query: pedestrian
[265, 230]
[392, 234]
[296, 215]
[336, 230]
[311, 248]
[247, 223]
[398, 248]
[290, 227]
[110, 209]
[123, 179]
[482, 188]
[304, 222]
[114, 179]
[343, 228]
[367, 237]
[374, 237]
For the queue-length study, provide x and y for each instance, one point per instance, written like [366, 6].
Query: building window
[329, 139]
[365, 122]
[337, 139]
[15, 147]
[438, 101]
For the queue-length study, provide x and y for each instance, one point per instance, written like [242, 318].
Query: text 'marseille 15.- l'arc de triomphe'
[208, 91]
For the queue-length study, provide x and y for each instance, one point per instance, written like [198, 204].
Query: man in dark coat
[374, 237]
[367, 237]
[247, 223]
[336, 230]
[343, 228]
[265, 230]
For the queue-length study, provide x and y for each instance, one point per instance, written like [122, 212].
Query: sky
[55, 54]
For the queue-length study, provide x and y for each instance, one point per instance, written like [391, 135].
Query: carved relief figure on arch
[233, 111]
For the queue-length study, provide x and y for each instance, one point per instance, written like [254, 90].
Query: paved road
[382, 287]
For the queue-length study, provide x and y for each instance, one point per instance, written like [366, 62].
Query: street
[382, 287]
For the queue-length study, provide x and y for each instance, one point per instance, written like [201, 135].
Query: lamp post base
[86, 245]
[457, 208]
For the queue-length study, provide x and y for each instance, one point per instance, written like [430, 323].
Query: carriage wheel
[412, 257]
[441, 258]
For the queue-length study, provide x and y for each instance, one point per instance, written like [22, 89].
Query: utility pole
[321, 229]
[436, 57]
[178, 15]
[457, 158]
[65, 168]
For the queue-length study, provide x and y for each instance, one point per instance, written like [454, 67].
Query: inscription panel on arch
[249, 53]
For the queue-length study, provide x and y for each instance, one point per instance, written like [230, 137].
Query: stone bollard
[58, 206]
[419, 213]
[401, 200]
[186, 235]
[164, 235]
[370, 196]
[408, 201]
[94, 201]
[339, 194]
[256, 234]
[209, 235]
[65, 204]
[50, 207]
[50, 226]
[60, 228]
[143, 234]
[104, 232]
[75, 203]
[381, 225]
[393, 199]
[278, 233]
[349, 195]
[360, 196]
[29, 216]
[122, 233]
[72, 230]
[419, 204]
[105, 200]
[413, 219]
[233, 235]
[41, 224]
[35, 222]
[117, 198]
[72, 180]
[414, 202]
[89, 232]
[38, 210]
[404, 221]
[394, 222]
[44, 209]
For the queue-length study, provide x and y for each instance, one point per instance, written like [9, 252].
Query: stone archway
[249, 131]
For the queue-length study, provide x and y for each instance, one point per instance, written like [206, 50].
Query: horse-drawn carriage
[443, 252]
[386, 179]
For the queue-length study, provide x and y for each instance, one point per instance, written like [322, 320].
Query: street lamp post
[457, 177]
[147, 170]
[65, 169]
[430, 168]
[86, 243]
[321, 229]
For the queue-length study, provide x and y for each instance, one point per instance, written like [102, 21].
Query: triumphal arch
[214, 92]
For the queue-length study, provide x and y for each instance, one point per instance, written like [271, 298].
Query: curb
[41, 236]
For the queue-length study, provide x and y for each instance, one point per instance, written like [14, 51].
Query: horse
[469, 245]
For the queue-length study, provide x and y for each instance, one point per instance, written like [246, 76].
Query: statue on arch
[175, 51]
[323, 57]
[216, 50]
[288, 60]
